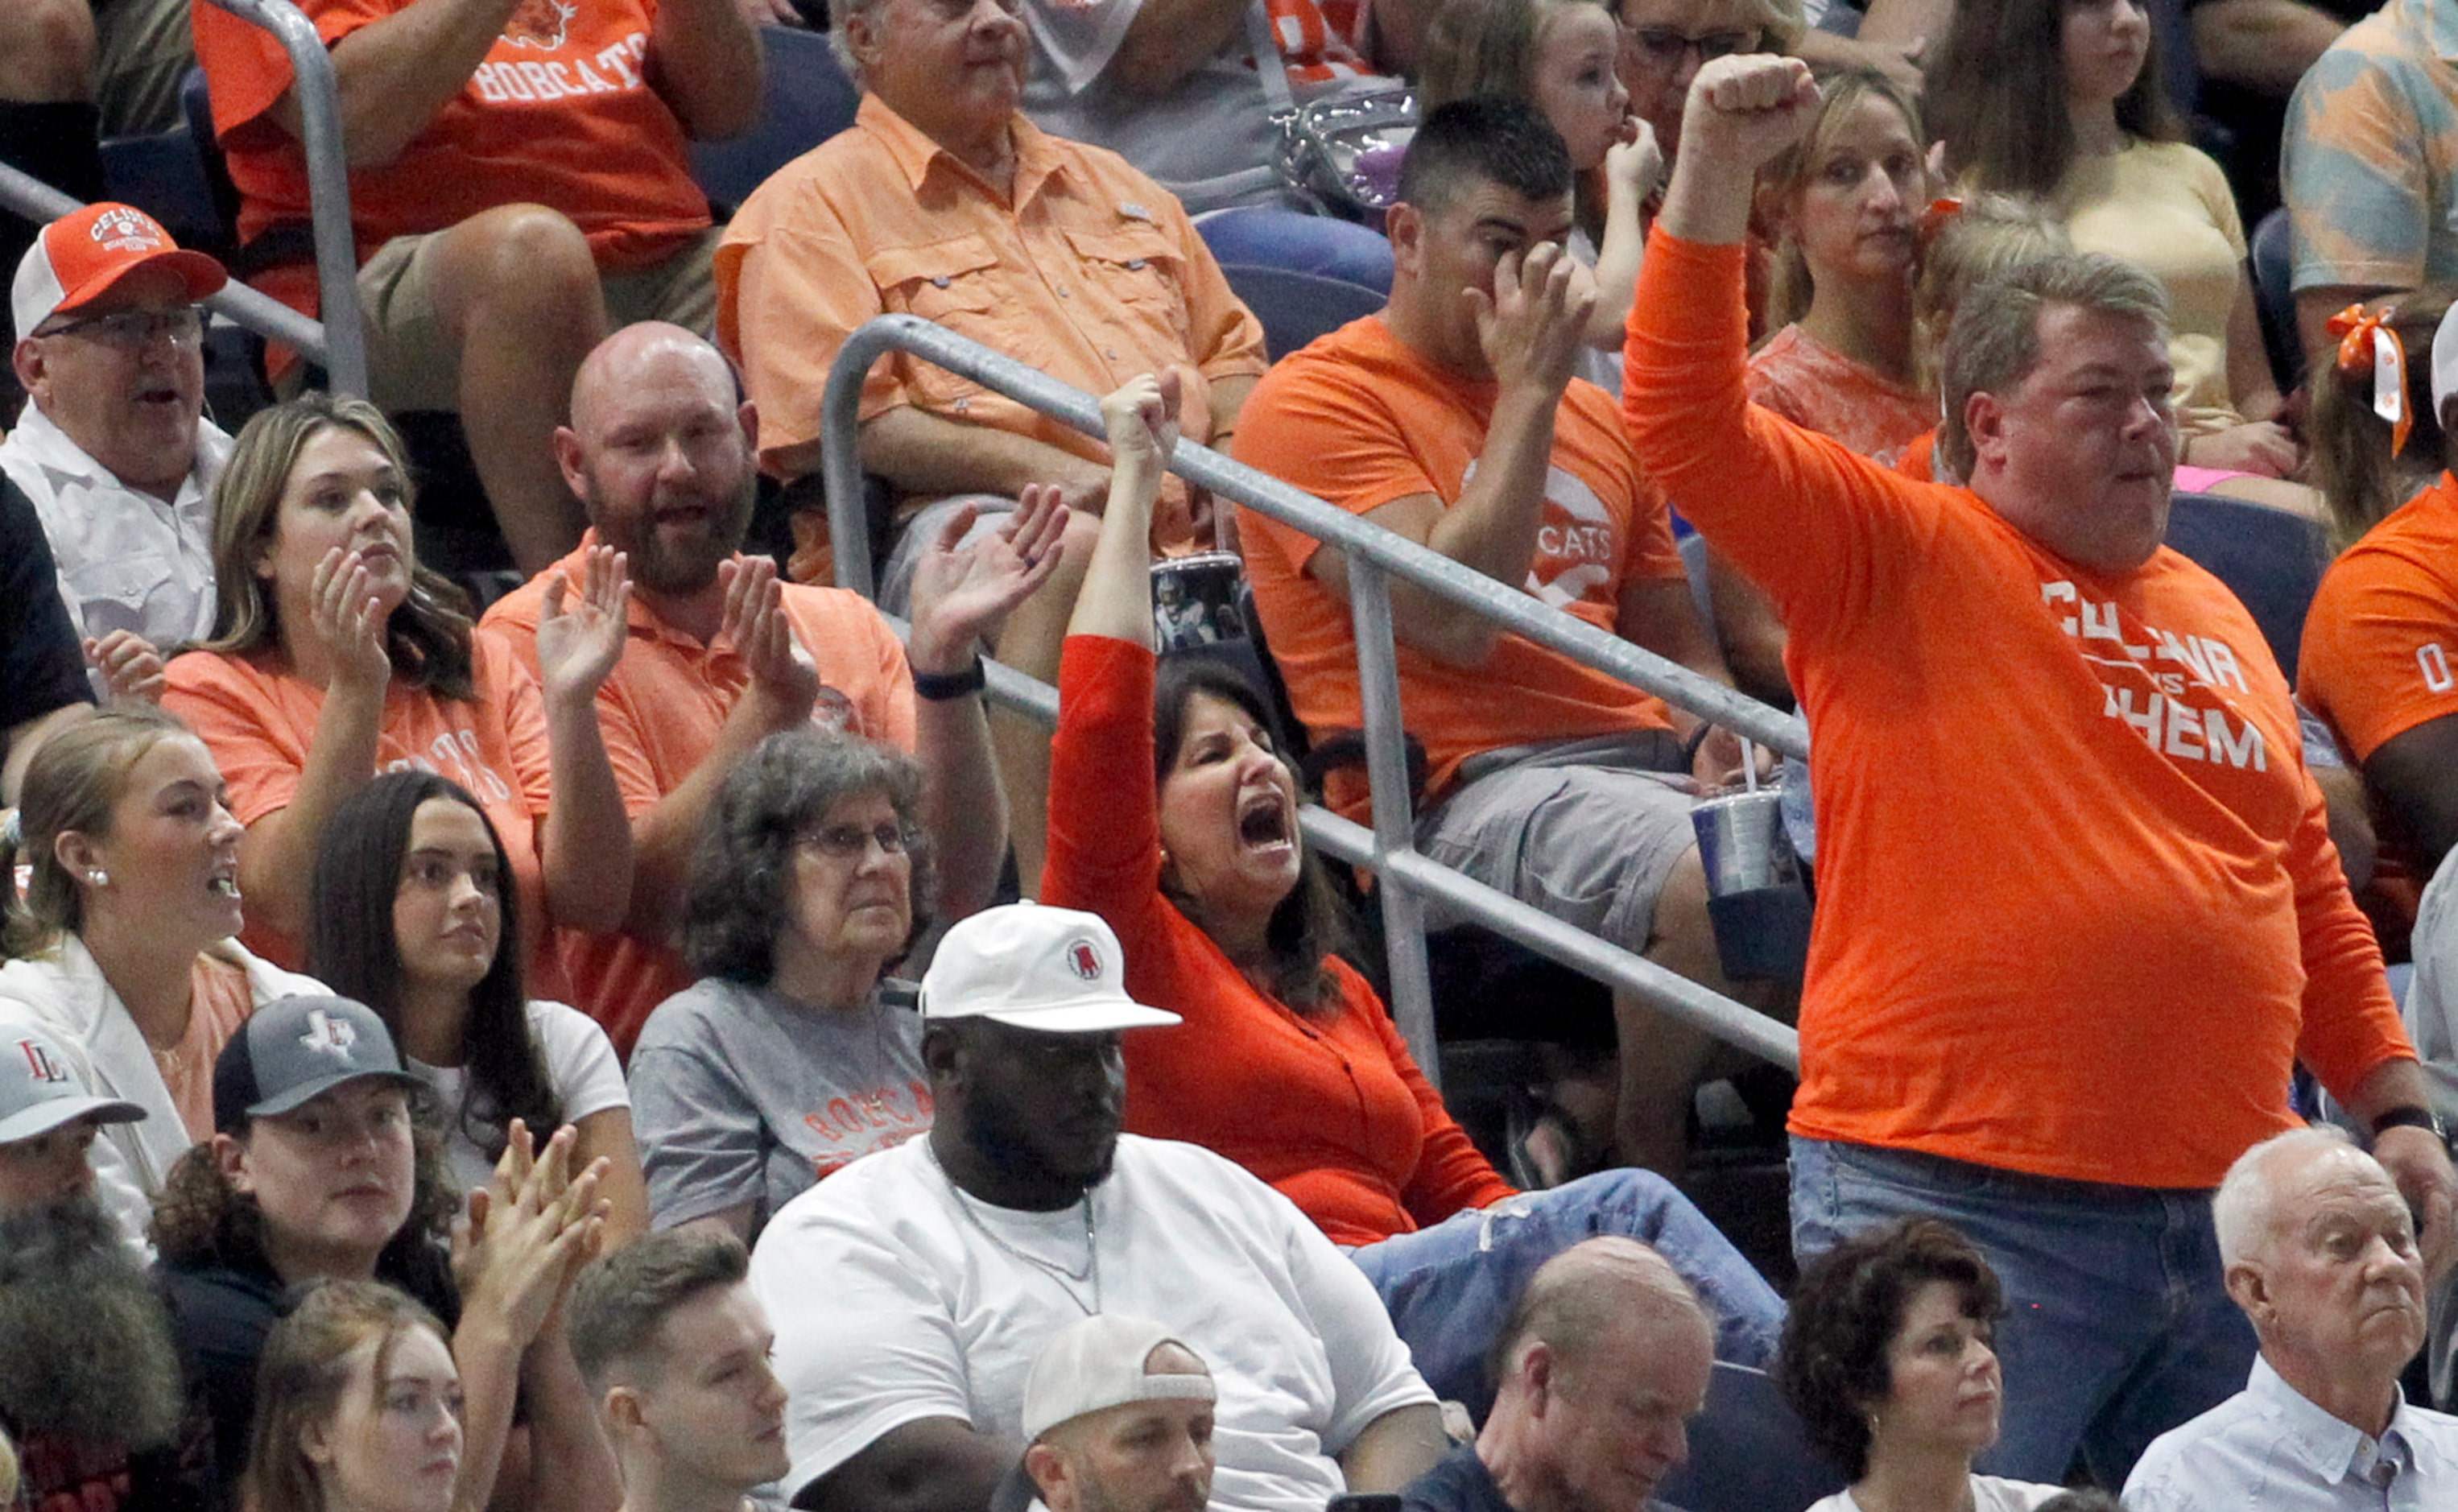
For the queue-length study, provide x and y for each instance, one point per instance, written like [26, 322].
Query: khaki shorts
[142, 53]
[411, 364]
[1585, 830]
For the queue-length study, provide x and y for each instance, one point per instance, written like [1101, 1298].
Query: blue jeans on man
[2117, 1324]
[1452, 1288]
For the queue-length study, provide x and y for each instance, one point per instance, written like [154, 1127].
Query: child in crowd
[414, 915]
[1963, 244]
[2364, 471]
[336, 655]
[1560, 56]
[2091, 131]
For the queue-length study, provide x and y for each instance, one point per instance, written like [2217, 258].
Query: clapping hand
[350, 620]
[963, 593]
[783, 673]
[579, 646]
[528, 1232]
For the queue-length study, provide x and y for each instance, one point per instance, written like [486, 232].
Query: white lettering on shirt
[544, 82]
[2436, 665]
[2166, 715]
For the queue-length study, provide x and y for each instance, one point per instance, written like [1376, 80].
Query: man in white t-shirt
[912, 1290]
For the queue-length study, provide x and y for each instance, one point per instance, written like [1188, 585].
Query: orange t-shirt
[561, 113]
[1819, 388]
[258, 721]
[1920, 456]
[218, 1002]
[1360, 420]
[660, 712]
[1092, 276]
[2382, 632]
[1328, 1105]
[2078, 912]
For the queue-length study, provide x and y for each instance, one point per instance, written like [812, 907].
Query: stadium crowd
[649, 1030]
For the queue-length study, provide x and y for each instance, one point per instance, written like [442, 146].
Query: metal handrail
[344, 349]
[1375, 555]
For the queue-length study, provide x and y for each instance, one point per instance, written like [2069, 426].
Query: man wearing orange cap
[113, 447]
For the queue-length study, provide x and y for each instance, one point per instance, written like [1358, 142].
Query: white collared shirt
[127, 560]
[2269, 1446]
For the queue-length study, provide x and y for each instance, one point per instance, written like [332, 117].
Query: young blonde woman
[123, 940]
[334, 656]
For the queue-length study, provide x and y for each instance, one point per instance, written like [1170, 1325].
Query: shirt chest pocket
[955, 283]
[114, 592]
[1140, 275]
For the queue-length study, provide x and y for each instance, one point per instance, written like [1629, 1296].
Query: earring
[98, 876]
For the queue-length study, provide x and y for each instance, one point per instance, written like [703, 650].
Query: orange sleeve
[232, 707]
[787, 297]
[1334, 437]
[506, 687]
[1830, 536]
[248, 69]
[2379, 643]
[1104, 821]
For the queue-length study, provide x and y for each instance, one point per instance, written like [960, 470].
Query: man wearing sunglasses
[113, 447]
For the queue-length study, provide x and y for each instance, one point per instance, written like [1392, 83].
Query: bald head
[1578, 1298]
[2253, 1199]
[663, 455]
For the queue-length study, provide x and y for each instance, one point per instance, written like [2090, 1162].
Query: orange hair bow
[2366, 342]
[1940, 212]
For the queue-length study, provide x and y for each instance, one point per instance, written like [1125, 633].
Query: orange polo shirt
[660, 712]
[1094, 275]
[2078, 912]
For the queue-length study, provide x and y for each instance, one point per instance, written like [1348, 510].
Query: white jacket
[62, 993]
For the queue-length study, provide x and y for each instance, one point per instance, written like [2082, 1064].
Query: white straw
[1750, 763]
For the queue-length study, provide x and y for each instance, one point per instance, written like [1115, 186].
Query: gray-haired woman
[794, 1053]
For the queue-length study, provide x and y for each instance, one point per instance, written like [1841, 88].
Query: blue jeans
[2117, 1324]
[1300, 242]
[1452, 1288]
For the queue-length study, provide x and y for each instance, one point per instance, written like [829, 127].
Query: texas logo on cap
[85, 254]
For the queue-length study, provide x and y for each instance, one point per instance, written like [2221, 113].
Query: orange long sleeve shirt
[2078, 910]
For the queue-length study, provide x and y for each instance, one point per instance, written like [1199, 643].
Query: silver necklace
[1066, 1279]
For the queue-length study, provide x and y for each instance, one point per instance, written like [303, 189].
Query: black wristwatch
[2410, 1116]
[938, 687]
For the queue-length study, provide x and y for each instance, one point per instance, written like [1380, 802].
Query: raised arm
[279, 853]
[705, 61]
[962, 594]
[396, 74]
[1531, 328]
[584, 840]
[1116, 598]
[1633, 169]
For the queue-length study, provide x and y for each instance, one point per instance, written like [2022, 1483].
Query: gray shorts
[896, 575]
[1585, 830]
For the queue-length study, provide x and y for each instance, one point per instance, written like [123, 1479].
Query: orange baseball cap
[83, 254]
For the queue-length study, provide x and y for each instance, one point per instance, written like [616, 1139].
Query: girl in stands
[1886, 1358]
[336, 655]
[123, 939]
[1562, 56]
[1173, 817]
[316, 1171]
[412, 916]
[795, 1053]
[2092, 133]
[361, 1410]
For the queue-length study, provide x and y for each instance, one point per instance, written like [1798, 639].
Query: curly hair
[1847, 1308]
[1309, 925]
[200, 1220]
[740, 891]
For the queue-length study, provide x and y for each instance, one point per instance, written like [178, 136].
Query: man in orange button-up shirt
[944, 201]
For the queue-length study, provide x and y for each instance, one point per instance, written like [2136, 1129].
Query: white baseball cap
[1051, 969]
[38, 1093]
[1101, 1362]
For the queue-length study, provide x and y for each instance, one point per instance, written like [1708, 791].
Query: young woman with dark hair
[1174, 818]
[336, 655]
[413, 917]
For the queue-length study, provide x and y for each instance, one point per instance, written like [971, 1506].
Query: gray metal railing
[339, 340]
[1406, 878]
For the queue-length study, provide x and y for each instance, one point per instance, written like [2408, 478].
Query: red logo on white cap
[1083, 959]
[40, 1062]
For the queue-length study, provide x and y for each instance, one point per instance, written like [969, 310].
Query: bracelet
[1690, 747]
[939, 687]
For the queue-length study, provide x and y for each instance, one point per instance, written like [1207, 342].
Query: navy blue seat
[810, 99]
[1298, 307]
[161, 174]
[1271, 237]
[1748, 1452]
[2275, 299]
[2269, 558]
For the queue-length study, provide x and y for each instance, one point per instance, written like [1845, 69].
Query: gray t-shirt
[743, 1096]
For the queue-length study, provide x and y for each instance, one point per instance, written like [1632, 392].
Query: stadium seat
[2273, 264]
[1264, 236]
[197, 110]
[2269, 558]
[1298, 307]
[163, 175]
[810, 99]
[1748, 1451]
